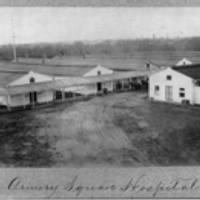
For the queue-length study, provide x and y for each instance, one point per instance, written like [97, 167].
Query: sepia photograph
[99, 87]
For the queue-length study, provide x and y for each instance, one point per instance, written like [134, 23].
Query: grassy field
[135, 61]
[122, 129]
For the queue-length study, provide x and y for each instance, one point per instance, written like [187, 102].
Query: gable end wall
[178, 81]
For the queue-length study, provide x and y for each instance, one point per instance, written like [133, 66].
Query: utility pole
[14, 49]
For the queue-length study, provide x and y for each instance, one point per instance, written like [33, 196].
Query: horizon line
[96, 41]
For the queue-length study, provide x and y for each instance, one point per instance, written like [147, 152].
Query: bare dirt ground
[123, 129]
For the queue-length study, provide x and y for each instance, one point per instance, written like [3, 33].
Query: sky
[68, 24]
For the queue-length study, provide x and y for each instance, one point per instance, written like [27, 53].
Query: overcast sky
[52, 24]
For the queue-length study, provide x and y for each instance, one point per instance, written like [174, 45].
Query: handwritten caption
[134, 186]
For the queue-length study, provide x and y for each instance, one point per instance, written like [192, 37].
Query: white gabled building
[99, 86]
[176, 84]
[22, 88]
[30, 77]
[26, 98]
[97, 71]
[13, 78]
[184, 61]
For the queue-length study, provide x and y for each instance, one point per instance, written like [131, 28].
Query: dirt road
[122, 129]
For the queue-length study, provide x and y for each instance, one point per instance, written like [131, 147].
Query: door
[32, 95]
[33, 98]
[169, 93]
[99, 87]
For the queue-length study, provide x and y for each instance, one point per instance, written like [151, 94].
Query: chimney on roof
[147, 66]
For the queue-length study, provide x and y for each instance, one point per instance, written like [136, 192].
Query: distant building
[97, 71]
[176, 84]
[184, 61]
[87, 72]
[160, 64]
[152, 66]
[100, 86]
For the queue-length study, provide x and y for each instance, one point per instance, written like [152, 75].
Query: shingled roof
[70, 82]
[192, 70]
[8, 77]
[56, 70]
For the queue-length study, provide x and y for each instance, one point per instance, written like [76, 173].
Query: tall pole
[14, 49]
[14, 52]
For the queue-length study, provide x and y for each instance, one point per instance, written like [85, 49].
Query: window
[181, 92]
[169, 77]
[98, 72]
[156, 90]
[32, 80]
[197, 82]
[147, 66]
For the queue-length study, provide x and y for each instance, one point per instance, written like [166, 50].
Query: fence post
[8, 102]
[24, 100]
[63, 94]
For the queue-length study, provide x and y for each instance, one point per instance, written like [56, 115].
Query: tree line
[107, 47]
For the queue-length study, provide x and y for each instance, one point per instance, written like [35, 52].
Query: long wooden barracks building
[27, 85]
